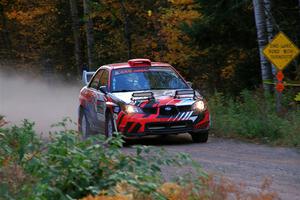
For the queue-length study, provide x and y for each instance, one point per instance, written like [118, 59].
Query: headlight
[130, 109]
[199, 106]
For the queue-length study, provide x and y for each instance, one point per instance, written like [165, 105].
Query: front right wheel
[201, 137]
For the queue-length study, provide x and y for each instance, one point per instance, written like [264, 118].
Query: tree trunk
[260, 21]
[76, 35]
[127, 33]
[270, 28]
[298, 65]
[270, 32]
[89, 33]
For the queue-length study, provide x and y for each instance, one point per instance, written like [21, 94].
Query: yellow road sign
[281, 51]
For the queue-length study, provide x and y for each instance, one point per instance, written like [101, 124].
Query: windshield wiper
[123, 91]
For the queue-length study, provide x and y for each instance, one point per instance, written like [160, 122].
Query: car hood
[161, 97]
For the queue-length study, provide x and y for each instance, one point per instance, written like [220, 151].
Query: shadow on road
[181, 139]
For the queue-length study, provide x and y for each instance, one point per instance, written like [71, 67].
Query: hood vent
[142, 96]
[184, 94]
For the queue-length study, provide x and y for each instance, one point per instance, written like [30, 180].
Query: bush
[252, 115]
[67, 167]
[211, 188]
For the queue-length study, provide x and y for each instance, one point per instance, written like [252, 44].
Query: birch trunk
[76, 35]
[270, 29]
[270, 32]
[89, 33]
[260, 21]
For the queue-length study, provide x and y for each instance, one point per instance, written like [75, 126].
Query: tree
[226, 47]
[270, 27]
[3, 28]
[298, 68]
[76, 35]
[177, 48]
[270, 33]
[127, 33]
[89, 32]
[260, 21]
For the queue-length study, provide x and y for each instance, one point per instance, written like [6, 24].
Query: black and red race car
[140, 98]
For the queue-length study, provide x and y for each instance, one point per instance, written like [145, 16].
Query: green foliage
[229, 58]
[18, 142]
[67, 167]
[252, 115]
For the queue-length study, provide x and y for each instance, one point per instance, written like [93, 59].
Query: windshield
[146, 78]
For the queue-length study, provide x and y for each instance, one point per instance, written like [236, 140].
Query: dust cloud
[41, 101]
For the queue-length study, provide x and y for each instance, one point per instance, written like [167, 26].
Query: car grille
[149, 110]
[184, 108]
[173, 110]
[168, 126]
[168, 110]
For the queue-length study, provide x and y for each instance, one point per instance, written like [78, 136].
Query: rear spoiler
[87, 76]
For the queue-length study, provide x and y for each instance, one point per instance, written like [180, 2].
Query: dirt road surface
[239, 161]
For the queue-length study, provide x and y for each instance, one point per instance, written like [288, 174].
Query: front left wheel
[84, 126]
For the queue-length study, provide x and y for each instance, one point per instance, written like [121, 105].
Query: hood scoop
[184, 94]
[136, 96]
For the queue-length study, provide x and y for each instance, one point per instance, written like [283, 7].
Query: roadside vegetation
[252, 115]
[67, 167]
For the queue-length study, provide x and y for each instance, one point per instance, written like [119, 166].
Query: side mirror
[190, 83]
[103, 89]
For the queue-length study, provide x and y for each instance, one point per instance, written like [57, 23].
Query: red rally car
[140, 98]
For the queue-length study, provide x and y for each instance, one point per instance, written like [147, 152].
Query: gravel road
[242, 162]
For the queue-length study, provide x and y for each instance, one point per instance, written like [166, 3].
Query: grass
[252, 116]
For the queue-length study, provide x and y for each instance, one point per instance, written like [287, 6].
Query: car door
[100, 102]
[91, 96]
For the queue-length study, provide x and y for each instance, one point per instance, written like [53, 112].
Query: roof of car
[126, 65]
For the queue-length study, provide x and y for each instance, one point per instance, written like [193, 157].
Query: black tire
[201, 137]
[109, 125]
[84, 125]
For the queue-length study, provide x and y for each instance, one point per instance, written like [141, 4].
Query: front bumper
[165, 132]
[138, 125]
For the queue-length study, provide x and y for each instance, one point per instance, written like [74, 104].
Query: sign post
[280, 52]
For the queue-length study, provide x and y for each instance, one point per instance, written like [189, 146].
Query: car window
[95, 82]
[146, 78]
[104, 78]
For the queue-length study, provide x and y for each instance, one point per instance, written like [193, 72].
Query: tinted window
[146, 78]
[95, 82]
[104, 78]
